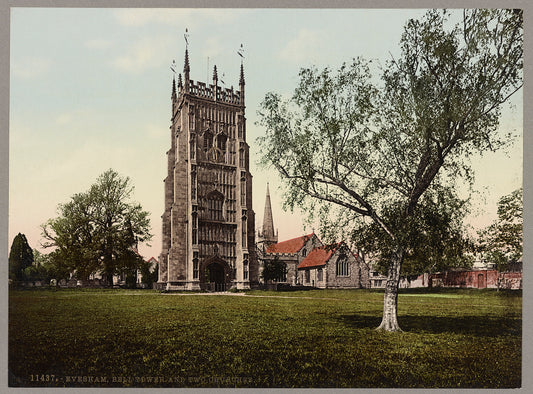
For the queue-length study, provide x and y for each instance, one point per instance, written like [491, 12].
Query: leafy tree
[149, 275]
[20, 257]
[501, 242]
[437, 241]
[40, 269]
[97, 229]
[274, 270]
[344, 142]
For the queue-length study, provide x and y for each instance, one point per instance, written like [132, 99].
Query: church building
[307, 261]
[208, 222]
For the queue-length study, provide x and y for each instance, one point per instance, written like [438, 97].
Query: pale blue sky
[90, 90]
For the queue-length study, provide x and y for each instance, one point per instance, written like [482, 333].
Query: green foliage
[453, 338]
[274, 270]
[97, 229]
[20, 257]
[345, 145]
[149, 275]
[435, 236]
[501, 242]
[40, 270]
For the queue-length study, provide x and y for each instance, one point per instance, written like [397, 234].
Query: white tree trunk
[390, 302]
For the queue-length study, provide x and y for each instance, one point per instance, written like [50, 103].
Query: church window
[320, 275]
[245, 267]
[193, 146]
[208, 140]
[307, 276]
[194, 225]
[243, 188]
[215, 205]
[221, 142]
[193, 182]
[242, 160]
[304, 252]
[232, 152]
[342, 268]
[195, 265]
[244, 240]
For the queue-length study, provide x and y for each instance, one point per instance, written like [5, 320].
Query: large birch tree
[377, 150]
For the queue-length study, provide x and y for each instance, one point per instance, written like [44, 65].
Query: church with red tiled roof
[333, 266]
[308, 262]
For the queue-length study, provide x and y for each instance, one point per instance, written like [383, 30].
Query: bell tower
[208, 221]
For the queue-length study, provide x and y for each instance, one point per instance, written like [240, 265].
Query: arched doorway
[216, 275]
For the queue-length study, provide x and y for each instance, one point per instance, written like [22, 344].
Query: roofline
[292, 239]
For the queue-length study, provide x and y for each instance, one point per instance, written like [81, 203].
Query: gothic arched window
[208, 140]
[215, 205]
[342, 268]
[221, 142]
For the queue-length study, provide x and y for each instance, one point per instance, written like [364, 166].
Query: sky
[90, 90]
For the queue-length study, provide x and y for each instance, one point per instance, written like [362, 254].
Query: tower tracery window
[215, 205]
[221, 142]
[193, 146]
[245, 267]
[195, 266]
[208, 140]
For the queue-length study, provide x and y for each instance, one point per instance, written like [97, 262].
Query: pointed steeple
[268, 222]
[180, 83]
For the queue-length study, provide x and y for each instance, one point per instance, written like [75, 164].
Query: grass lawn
[318, 338]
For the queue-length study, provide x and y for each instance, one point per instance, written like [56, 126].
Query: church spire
[215, 75]
[268, 222]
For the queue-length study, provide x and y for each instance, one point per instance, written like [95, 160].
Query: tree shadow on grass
[483, 326]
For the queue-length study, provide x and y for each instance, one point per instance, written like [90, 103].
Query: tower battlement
[213, 92]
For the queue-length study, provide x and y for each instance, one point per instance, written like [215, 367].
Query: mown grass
[318, 338]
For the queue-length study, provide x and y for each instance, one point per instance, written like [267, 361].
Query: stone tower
[267, 237]
[208, 222]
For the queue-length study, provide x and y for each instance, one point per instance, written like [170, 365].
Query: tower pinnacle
[186, 70]
[173, 88]
[186, 67]
[215, 75]
[241, 81]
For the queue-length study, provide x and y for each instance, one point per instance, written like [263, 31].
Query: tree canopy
[98, 230]
[501, 242]
[346, 143]
[20, 257]
[274, 270]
